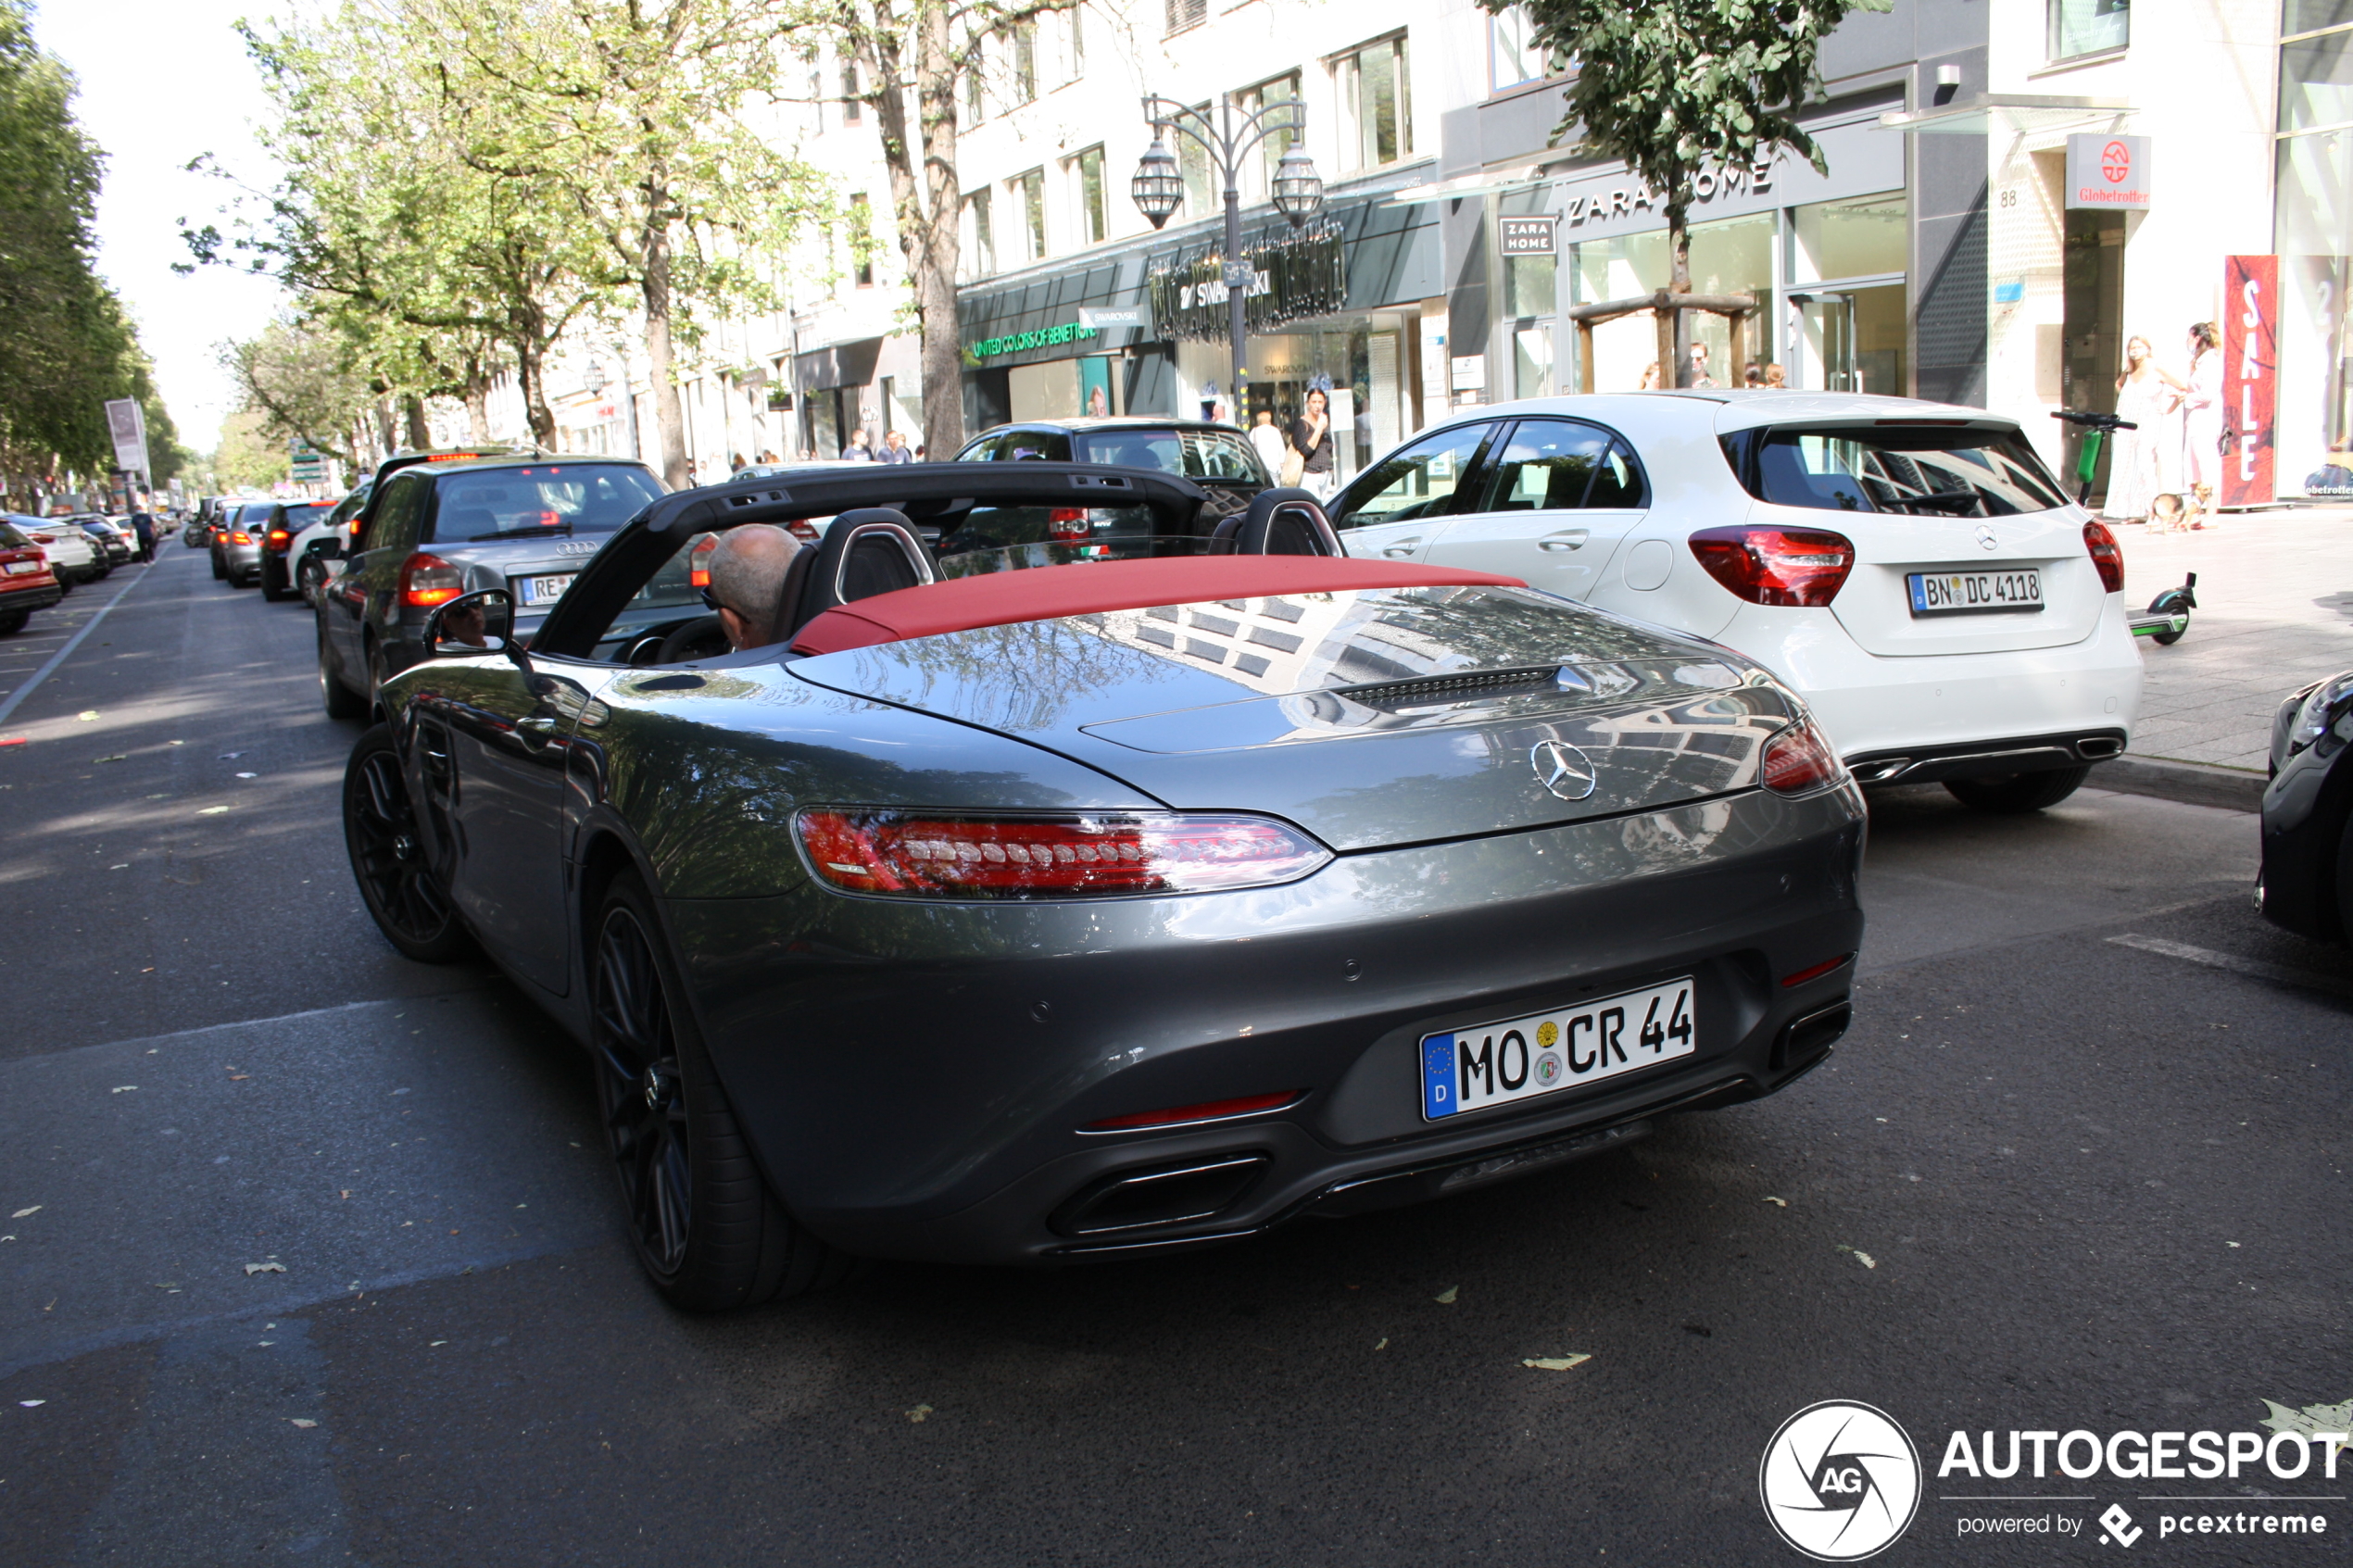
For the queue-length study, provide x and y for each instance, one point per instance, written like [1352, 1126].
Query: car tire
[340, 700]
[706, 1230]
[2011, 795]
[12, 622]
[403, 894]
[270, 592]
[65, 585]
[219, 570]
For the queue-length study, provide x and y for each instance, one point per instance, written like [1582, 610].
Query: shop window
[1200, 196]
[1728, 256]
[1858, 238]
[1513, 54]
[861, 241]
[851, 107]
[2312, 15]
[1282, 90]
[1087, 190]
[980, 236]
[1529, 285]
[1183, 14]
[2089, 26]
[2316, 82]
[1030, 189]
[1025, 37]
[1377, 108]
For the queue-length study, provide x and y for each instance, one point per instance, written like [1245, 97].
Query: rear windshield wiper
[1940, 500]
[535, 531]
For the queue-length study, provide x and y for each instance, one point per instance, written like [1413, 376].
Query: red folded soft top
[1005, 598]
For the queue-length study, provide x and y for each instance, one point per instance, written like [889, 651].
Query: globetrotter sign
[1293, 278]
[2107, 172]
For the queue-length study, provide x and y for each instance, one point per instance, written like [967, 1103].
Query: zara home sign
[2107, 172]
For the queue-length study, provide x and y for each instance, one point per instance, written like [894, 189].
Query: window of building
[1073, 44]
[1282, 90]
[850, 105]
[1183, 14]
[1087, 190]
[817, 96]
[1030, 189]
[1513, 54]
[2089, 26]
[975, 97]
[1375, 104]
[2313, 237]
[1855, 238]
[1200, 194]
[861, 241]
[1025, 62]
[980, 238]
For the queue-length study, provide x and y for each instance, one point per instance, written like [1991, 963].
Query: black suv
[434, 529]
[1218, 457]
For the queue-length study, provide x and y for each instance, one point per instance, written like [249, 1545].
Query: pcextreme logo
[1840, 1481]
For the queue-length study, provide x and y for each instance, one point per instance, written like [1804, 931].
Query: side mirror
[472, 624]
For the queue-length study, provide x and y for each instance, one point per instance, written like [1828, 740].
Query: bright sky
[162, 82]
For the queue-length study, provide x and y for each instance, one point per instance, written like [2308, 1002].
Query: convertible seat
[1005, 598]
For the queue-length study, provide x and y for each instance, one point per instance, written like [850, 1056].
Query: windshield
[1196, 454]
[304, 513]
[1920, 471]
[1024, 558]
[13, 538]
[556, 498]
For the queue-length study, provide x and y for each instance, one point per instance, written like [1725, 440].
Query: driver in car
[747, 582]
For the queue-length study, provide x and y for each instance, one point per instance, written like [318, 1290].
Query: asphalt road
[2081, 1164]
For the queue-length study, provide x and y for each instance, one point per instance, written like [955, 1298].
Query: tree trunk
[413, 408]
[670, 423]
[478, 412]
[1678, 250]
[932, 256]
[528, 358]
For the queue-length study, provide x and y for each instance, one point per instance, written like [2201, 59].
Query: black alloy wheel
[2012, 794]
[706, 1230]
[403, 894]
[12, 622]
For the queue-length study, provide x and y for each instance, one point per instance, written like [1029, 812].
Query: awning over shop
[844, 364]
[2012, 114]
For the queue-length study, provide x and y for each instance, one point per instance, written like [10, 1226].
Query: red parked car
[26, 582]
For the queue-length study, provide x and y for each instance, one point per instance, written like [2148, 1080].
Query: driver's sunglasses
[710, 601]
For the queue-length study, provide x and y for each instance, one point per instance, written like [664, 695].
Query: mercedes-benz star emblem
[1562, 769]
[1988, 538]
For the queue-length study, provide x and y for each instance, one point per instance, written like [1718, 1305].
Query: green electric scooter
[2168, 615]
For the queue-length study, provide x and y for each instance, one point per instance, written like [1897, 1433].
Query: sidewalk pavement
[2275, 611]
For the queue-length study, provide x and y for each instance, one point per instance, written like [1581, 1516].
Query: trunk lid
[1369, 718]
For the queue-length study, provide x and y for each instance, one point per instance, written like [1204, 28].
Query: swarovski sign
[1285, 280]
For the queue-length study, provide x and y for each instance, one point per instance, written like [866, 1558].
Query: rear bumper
[1987, 759]
[33, 595]
[914, 1079]
[1876, 706]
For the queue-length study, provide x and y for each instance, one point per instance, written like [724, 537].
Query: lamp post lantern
[1297, 190]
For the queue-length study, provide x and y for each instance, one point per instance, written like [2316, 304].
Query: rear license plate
[545, 590]
[1547, 1052]
[23, 567]
[1975, 592]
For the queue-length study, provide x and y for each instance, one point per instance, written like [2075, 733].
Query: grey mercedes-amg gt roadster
[1083, 875]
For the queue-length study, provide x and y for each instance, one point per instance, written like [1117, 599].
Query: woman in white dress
[2138, 471]
[2202, 422]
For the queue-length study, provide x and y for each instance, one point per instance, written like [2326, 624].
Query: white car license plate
[23, 567]
[545, 590]
[1975, 592]
[1566, 1049]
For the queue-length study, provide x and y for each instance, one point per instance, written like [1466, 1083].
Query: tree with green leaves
[632, 112]
[68, 347]
[910, 58]
[1674, 88]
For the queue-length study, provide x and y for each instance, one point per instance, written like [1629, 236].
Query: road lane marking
[2255, 968]
[33, 683]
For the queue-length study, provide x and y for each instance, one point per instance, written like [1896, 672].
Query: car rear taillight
[698, 562]
[241, 538]
[1208, 1110]
[913, 854]
[426, 580]
[1068, 524]
[803, 530]
[278, 539]
[1799, 567]
[1799, 762]
[2107, 557]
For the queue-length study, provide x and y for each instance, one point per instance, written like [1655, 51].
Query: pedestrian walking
[1098, 404]
[1650, 378]
[1269, 441]
[1776, 378]
[1311, 441]
[2140, 466]
[858, 451]
[144, 527]
[895, 448]
[2202, 422]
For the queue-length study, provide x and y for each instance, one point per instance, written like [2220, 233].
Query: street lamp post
[1159, 184]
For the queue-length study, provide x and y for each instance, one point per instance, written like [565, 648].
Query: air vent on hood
[1432, 689]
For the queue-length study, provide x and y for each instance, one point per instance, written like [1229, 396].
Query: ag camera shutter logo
[1840, 1481]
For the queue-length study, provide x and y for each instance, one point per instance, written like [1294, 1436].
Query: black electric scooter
[2168, 615]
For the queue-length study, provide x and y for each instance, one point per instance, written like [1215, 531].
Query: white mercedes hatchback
[1912, 568]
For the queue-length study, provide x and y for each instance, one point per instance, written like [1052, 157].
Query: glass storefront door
[2093, 329]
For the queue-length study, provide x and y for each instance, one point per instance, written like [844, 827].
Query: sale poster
[2250, 377]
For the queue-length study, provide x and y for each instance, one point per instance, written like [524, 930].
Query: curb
[2193, 783]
